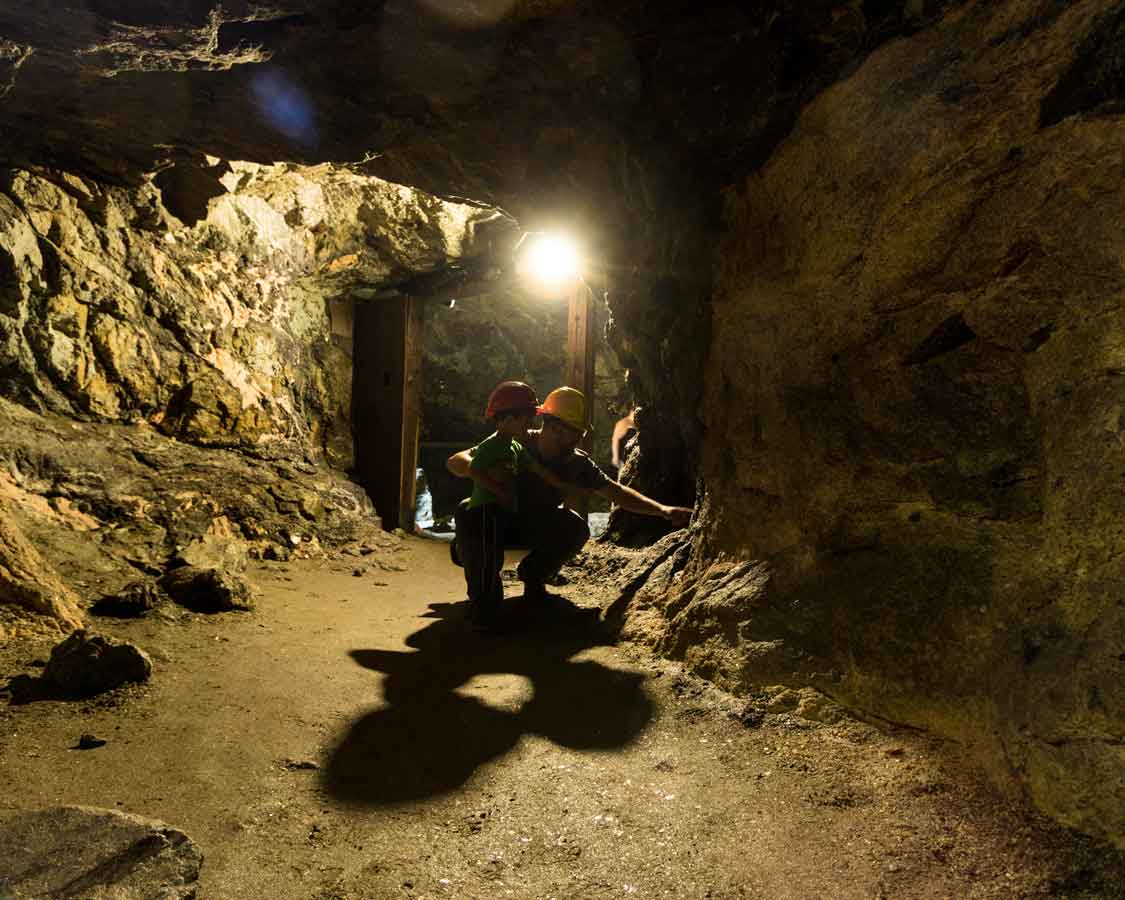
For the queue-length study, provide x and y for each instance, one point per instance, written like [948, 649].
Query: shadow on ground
[430, 739]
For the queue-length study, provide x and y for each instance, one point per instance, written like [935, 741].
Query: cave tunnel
[855, 624]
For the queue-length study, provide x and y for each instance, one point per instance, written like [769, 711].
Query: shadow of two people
[430, 738]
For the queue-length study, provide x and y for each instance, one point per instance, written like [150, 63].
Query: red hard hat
[511, 396]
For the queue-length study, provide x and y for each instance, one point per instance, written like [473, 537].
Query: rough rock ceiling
[538, 105]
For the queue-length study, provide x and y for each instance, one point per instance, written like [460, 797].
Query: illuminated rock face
[865, 270]
[219, 333]
[912, 404]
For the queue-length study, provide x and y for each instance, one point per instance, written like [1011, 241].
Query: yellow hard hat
[567, 405]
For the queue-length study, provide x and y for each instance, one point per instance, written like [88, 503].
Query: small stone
[276, 552]
[751, 715]
[89, 742]
[299, 764]
[135, 599]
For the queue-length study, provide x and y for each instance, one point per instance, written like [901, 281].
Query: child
[494, 503]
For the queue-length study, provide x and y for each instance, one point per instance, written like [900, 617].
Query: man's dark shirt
[575, 468]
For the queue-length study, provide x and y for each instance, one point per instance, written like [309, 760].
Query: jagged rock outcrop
[219, 333]
[216, 332]
[105, 501]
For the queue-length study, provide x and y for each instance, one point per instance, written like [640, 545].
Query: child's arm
[461, 465]
[491, 480]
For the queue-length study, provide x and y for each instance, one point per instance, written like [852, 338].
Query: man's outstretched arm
[636, 502]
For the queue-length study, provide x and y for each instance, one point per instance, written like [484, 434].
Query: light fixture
[549, 259]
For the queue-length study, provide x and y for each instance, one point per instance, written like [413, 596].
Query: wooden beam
[580, 359]
[580, 345]
[411, 409]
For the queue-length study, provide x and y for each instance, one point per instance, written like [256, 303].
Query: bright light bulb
[551, 259]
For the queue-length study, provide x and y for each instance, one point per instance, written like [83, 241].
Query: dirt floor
[352, 737]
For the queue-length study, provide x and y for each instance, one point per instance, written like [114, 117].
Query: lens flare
[285, 106]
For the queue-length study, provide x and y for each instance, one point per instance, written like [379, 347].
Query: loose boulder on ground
[207, 590]
[85, 853]
[84, 665]
[133, 600]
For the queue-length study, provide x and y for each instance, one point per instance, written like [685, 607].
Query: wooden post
[411, 410]
[580, 346]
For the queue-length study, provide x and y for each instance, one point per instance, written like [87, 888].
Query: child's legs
[480, 544]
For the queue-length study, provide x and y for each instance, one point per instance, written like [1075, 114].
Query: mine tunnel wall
[115, 311]
[181, 392]
[911, 455]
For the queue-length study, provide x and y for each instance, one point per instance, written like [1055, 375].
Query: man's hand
[677, 515]
[636, 502]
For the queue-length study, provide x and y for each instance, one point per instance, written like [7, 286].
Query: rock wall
[912, 451]
[104, 504]
[217, 332]
[174, 386]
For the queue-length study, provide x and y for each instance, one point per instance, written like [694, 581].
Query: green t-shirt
[496, 450]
